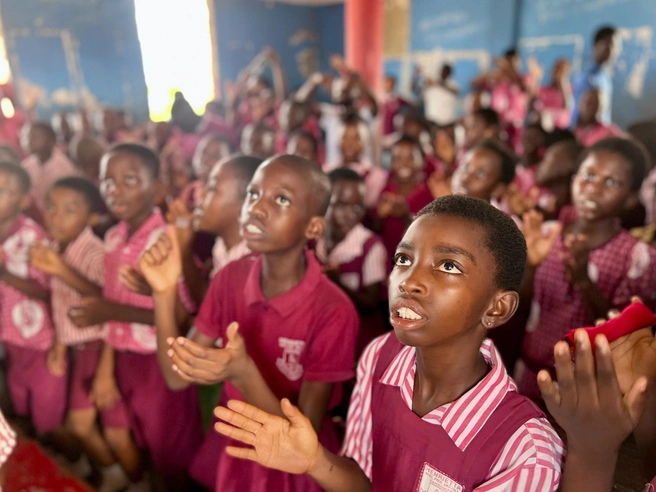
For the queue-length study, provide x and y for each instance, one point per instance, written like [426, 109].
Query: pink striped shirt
[375, 179]
[43, 176]
[590, 135]
[25, 321]
[221, 255]
[86, 255]
[531, 460]
[121, 250]
[7, 440]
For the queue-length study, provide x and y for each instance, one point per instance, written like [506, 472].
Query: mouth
[588, 205]
[251, 230]
[407, 315]
[118, 208]
[404, 173]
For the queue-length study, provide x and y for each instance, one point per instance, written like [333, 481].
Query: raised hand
[183, 219]
[90, 311]
[438, 185]
[161, 264]
[445, 148]
[200, 365]
[589, 405]
[576, 260]
[518, 202]
[538, 245]
[46, 259]
[290, 445]
[134, 281]
[385, 205]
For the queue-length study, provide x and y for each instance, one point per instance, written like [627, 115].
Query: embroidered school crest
[27, 316]
[289, 364]
[433, 480]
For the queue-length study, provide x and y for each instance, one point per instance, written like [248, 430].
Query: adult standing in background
[440, 95]
[596, 75]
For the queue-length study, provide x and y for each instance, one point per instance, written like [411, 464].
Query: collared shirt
[590, 135]
[375, 178]
[121, 250]
[7, 440]
[374, 266]
[529, 461]
[306, 333]
[221, 255]
[86, 255]
[595, 77]
[43, 176]
[25, 321]
[331, 123]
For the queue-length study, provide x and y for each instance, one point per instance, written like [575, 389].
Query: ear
[159, 191]
[26, 202]
[499, 190]
[93, 220]
[503, 307]
[315, 228]
[631, 201]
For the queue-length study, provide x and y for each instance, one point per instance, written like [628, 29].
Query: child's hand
[199, 365]
[576, 260]
[337, 63]
[56, 360]
[46, 259]
[290, 445]
[438, 185]
[445, 148]
[400, 207]
[183, 219]
[385, 205]
[518, 202]
[538, 245]
[104, 392]
[134, 281]
[589, 406]
[90, 311]
[161, 264]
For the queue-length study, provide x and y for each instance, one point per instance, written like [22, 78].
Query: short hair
[489, 116]
[630, 150]
[300, 133]
[344, 174]
[317, 181]
[507, 160]
[418, 152]
[604, 33]
[46, 128]
[557, 136]
[146, 156]
[504, 240]
[85, 187]
[16, 170]
[215, 137]
[352, 119]
[244, 165]
[510, 53]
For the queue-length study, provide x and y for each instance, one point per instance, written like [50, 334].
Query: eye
[283, 201]
[130, 180]
[587, 176]
[481, 174]
[251, 194]
[401, 259]
[449, 267]
[613, 183]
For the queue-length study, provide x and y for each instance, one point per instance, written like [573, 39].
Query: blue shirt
[595, 77]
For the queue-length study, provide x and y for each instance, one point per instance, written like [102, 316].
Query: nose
[412, 282]
[257, 208]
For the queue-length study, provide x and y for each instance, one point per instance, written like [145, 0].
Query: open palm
[289, 445]
[538, 245]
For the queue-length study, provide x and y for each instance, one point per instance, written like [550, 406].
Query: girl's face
[404, 163]
[352, 145]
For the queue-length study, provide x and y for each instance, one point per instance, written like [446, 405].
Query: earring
[489, 323]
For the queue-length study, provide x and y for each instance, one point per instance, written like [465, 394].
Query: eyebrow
[454, 250]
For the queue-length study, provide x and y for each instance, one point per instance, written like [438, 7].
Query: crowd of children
[384, 271]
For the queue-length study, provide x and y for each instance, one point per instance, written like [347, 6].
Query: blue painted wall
[331, 33]
[76, 52]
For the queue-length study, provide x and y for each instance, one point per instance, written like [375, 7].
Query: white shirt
[440, 104]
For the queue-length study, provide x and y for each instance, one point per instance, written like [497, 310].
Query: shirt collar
[289, 301]
[463, 418]
[155, 220]
[349, 248]
[78, 243]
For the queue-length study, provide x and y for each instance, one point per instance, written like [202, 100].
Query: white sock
[113, 479]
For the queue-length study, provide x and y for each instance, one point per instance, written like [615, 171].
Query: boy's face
[351, 145]
[277, 214]
[128, 188]
[206, 156]
[12, 199]
[346, 208]
[555, 172]
[302, 147]
[66, 214]
[476, 130]
[442, 283]
[404, 165]
[602, 186]
[39, 142]
[222, 199]
[482, 174]
[532, 140]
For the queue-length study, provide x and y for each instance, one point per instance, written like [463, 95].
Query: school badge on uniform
[433, 480]
[289, 364]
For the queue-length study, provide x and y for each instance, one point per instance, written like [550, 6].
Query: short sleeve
[639, 279]
[7, 440]
[209, 320]
[330, 355]
[374, 269]
[96, 267]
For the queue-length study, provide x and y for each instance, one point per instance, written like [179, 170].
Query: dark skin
[451, 286]
[482, 175]
[351, 145]
[476, 130]
[556, 172]
[588, 108]
[347, 210]
[13, 200]
[41, 143]
[303, 147]
[278, 218]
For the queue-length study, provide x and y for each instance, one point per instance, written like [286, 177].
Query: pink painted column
[363, 29]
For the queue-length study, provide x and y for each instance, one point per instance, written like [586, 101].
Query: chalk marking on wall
[529, 44]
[635, 80]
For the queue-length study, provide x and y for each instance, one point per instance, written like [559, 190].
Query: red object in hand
[633, 318]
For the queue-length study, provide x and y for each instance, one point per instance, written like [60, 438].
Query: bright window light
[176, 47]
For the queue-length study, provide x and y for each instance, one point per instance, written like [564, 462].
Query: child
[7, 445]
[46, 163]
[482, 124]
[533, 148]
[404, 195]
[297, 330]
[595, 265]
[433, 408]
[87, 153]
[77, 269]
[26, 329]
[392, 105]
[589, 129]
[353, 256]
[487, 169]
[354, 134]
[258, 139]
[303, 144]
[129, 185]
[554, 100]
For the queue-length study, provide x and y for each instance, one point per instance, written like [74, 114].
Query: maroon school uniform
[489, 439]
[307, 333]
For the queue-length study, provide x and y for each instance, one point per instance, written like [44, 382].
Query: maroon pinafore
[412, 455]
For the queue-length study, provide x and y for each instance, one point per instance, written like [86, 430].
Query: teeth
[590, 204]
[405, 172]
[407, 313]
[253, 229]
